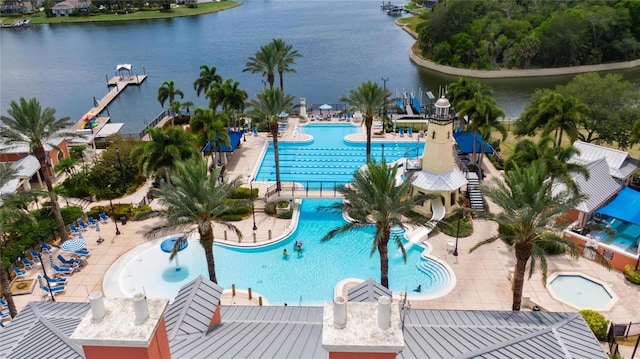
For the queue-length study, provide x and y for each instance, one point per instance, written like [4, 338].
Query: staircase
[473, 192]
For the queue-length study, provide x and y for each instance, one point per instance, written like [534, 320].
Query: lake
[343, 43]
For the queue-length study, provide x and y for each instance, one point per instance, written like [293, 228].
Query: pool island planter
[596, 282]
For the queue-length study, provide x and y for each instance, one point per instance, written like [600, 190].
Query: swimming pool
[625, 237]
[329, 157]
[581, 291]
[306, 279]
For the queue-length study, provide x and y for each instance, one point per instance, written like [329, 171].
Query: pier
[116, 85]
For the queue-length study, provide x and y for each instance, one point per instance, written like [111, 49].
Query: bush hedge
[286, 215]
[631, 274]
[596, 322]
[231, 217]
[270, 208]
[243, 193]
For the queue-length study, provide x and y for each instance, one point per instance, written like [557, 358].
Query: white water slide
[422, 233]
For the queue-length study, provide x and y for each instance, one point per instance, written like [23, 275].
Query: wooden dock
[117, 84]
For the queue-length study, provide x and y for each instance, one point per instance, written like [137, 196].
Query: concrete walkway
[482, 276]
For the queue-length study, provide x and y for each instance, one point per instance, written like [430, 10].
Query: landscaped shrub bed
[631, 275]
[596, 322]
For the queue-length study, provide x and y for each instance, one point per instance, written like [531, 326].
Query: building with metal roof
[621, 164]
[198, 327]
[367, 291]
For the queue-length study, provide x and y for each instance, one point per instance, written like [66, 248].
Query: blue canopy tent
[625, 206]
[234, 140]
[465, 142]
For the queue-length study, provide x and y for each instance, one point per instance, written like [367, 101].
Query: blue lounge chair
[410, 131]
[103, 217]
[19, 272]
[401, 131]
[61, 270]
[74, 229]
[45, 247]
[5, 315]
[255, 131]
[83, 252]
[83, 226]
[27, 263]
[67, 263]
[3, 303]
[60, 280]
[92, 222]
[53, 290]
[35, 255]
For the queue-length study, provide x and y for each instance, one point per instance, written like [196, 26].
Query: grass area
[411, 22]
[449, 226]
[182, 10]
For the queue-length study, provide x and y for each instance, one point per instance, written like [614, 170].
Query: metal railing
[153, 123]
[305, 189]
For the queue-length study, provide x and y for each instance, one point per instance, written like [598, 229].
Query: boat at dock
[395, 10]
[16, 24]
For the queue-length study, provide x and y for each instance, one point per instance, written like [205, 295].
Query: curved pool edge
[606, 308]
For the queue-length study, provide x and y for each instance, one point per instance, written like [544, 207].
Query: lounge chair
[27, 263]
[410, 131]
[255, 131]
[52, 290]
[401, 131]
[92, 222]
[19, 272]
[4, 315]
[60, 280]
[103, 217]
[67, 263]
[35, 255]
[3, 303]
[82, 252]
[45, 247]
[74, 229]
[83, 226]
[61, 270]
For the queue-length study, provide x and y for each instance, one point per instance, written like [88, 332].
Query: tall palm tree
[286, 58]
[194, 202]
[267, 105]
[483, 114]
[463, 90]
[369, 97]
[530, 220]
[559, 114]
[264, 61]
[158, 157]
[30, 125]
[210, 129]
[555, 158]
[374, 198]
[168, 91]
[208, 77]
[234, 99]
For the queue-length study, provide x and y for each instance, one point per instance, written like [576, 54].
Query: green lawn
[182, 10]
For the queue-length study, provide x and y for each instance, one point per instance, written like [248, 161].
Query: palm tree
[264, 61]
[555, 158]
[195, 201]
[30, 125]
[483, 115]
[559, 114]
[168, 91]
[530, 220]
[286, 58]
[208, 77]
[464, 90]
[374, 198]
[268, 105]
[166, 147]
[209, 128]
[369, 97]
[234, 99]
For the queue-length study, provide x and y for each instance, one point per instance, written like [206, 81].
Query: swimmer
[419, 289]
[285, 254]
[299, 247]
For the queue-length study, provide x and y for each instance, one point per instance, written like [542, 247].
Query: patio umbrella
[97, 227]
[168, 244]
[73, 245]
[80, 235]
[325, 107]
[283, 115]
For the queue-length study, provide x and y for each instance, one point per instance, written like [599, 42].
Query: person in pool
[299, 246]
[285, 254]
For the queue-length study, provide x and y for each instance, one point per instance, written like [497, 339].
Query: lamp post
[46, 277]
[455, 250]
[384, 87]
[124, 183]
[113, 213]
[253, 210]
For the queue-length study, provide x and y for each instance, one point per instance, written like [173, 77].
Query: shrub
[631, 275]
[243, 193]
[71, 214]
[553, 248]
[270, 208]
[596, 322]
[136, 212]
[231, 217]
[451, 224]
[283, 204]
[286, 215]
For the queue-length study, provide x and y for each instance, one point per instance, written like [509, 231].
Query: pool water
[329, 158]
[581, 292]
[307, 278]
[625, 237]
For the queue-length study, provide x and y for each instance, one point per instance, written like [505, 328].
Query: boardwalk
[117, 84]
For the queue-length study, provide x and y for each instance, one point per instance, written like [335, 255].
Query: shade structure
[73, 245]
[168, 244]
[97, 227]
[283, 114]
[325, 107]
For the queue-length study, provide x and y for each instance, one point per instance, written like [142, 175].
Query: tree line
[509, 34]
